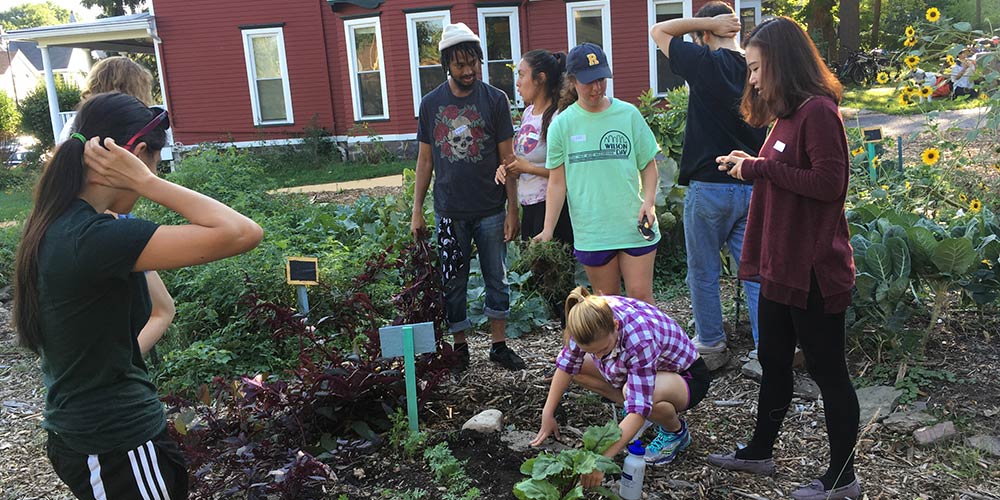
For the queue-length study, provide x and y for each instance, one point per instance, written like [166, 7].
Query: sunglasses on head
[155, 122]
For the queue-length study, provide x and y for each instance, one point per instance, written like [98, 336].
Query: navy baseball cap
[587, 63]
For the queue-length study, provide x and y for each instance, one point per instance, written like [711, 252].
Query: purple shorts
[600, 257]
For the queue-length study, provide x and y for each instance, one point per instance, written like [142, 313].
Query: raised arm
[723, 25]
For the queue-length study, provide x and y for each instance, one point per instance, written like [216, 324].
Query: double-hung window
[364, 59]
[423, 32]
[661, 77]
[591, 22]
[499, 29]
[267, 73]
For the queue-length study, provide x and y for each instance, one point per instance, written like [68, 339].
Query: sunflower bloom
[912, 61]
[876, 161]
[975, 206]
[882, 77]
[909, 42]
[857, 151]
[962, 198]
[933, 14]
[926, 91]
[910, 32]
[950, 60]
[903, 100]
[930, 156]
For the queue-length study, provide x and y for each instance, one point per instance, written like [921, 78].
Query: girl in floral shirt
[638, 356]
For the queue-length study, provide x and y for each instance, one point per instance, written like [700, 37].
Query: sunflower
[926, 91]
[975, 206]
[950, 60]
[908, 90]
[912, 61]
[910, 32]
[882, 77]
[876, 161]
[933, 14]
[962, 198]
[903, 100]
[930, 156]
[857, 151]
[909, 42]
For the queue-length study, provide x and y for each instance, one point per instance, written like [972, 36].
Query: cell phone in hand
[729, 165]
[645, 230]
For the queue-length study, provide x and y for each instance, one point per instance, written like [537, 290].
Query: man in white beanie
[464, 132]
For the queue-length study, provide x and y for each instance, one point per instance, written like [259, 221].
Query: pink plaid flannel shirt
[649, 341]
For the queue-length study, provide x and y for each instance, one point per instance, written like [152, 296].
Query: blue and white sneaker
[645, 425]
[667, 445]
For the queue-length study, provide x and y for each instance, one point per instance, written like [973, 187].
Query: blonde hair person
[631, 353]
[114, 74]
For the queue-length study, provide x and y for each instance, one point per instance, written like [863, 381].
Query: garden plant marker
[408, 341]
[302, 272]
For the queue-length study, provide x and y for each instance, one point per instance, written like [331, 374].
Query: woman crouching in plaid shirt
[639, 357]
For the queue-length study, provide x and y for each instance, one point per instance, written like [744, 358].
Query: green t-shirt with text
[603, 154]
[92, 308]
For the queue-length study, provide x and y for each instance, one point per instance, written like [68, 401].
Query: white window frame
[605, 6]
[686, 13]
[352, 60]
[411, 38]
[757, 7]
[248, 35]
[515, 41]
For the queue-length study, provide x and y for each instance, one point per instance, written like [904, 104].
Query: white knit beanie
[455, 34]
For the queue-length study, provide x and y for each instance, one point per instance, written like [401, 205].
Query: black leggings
[822, 338]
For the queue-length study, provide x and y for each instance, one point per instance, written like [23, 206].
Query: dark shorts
[601, 257]
[698, 380]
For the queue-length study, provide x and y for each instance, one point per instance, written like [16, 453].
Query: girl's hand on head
[113, 166]
[549, 426]
[726, 25]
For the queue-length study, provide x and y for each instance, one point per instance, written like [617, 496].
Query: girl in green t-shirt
[601, 162]
[80, 302]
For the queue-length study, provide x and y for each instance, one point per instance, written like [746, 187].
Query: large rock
[716, 360]
[905, 422]
[520, 441]
[805, 388]
[6, 293]
[752, 370]
[877, 402]
[935, 433]
[989, 444]
[487, 422]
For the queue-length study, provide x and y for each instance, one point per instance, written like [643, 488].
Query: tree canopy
[33, 15]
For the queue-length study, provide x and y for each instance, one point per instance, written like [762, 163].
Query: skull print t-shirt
[463, 133]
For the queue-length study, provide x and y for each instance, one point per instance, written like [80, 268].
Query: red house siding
[205, 69]
[203, 59]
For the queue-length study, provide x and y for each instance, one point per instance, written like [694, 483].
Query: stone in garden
[520, 441]
[905, 422]
[487, 422]
[986, 443]
[935, 433]
[878, 400]
[5, 294]
[716, 360]
[752, 370]
[805, 388]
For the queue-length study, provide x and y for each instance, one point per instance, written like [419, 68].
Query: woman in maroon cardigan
[797, 246]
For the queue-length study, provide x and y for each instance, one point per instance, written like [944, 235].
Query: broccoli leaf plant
[556, 477]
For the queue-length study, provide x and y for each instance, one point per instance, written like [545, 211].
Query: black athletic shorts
[698, 380]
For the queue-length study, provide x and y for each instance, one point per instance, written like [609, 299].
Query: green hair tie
[77, 135]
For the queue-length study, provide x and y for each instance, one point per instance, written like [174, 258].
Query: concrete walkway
[895, 126]
[387, 181]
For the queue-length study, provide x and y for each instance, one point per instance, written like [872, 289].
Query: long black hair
[112, 114]
[553, 66]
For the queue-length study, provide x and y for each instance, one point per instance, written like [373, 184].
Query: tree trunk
[876, 19]
[850, 25]
[822, 21]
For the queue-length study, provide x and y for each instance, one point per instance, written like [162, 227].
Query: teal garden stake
[302, 272]
[871, 136]
[408, 341]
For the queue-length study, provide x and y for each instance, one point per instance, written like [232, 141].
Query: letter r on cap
[592, 59]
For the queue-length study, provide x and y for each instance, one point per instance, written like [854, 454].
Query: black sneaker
[506, 357]
[461, 358]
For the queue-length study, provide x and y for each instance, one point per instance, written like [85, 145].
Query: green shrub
[35, 119]
[9, 237]
[186, 369]
[10, 117]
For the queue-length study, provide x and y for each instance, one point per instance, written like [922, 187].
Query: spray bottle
[633, 472]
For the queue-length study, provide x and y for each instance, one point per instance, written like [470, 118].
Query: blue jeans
[487, 232]
[715, 214]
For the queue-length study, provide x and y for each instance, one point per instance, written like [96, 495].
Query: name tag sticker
[532, 135]
[780, 146]
[463, 128]
[578, 138]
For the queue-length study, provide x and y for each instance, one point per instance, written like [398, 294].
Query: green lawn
[15, 204]
[299, 172]
[883, 100]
